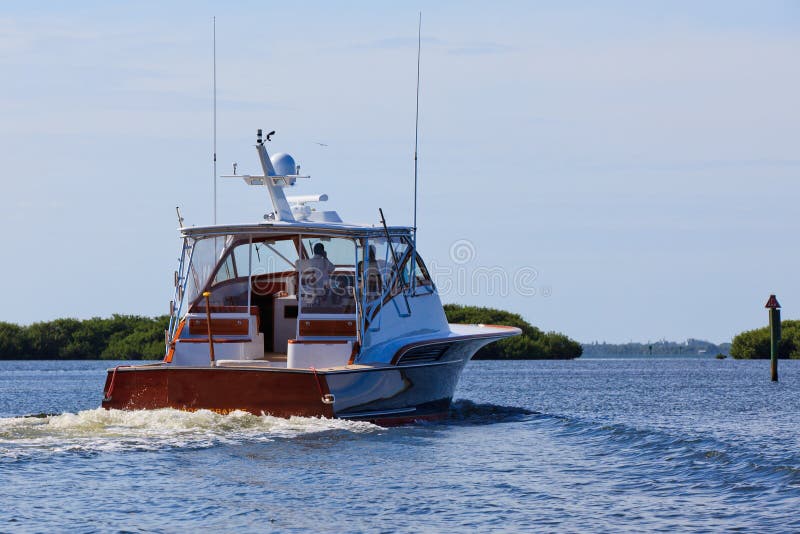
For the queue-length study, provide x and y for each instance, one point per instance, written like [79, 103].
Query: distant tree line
[120, 337]
[657, 348]
[754, 344]
[533, 344]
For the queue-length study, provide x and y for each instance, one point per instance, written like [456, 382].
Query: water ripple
[644, 458]
[467, 412]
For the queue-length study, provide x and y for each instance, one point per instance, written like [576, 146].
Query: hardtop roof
[294, 228]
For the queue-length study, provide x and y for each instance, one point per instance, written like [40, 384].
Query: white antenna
[416, 146]
[214, 113]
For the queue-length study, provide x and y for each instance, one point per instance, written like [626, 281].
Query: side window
[229, 285]
[274, 256]
[415, 270]
[227, 270]
[339, 251]
[421, 273]
[242, 258]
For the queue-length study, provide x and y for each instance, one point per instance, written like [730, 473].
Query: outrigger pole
[416, 146]
[214, 109]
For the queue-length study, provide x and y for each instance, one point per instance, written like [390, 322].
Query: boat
[302, 314]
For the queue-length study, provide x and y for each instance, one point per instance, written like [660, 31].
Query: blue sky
[641, 158]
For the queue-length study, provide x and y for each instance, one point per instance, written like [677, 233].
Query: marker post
[774, 334]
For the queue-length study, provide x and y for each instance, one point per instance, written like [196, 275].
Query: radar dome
[284, 164]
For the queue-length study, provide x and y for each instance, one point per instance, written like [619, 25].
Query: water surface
[587, 445]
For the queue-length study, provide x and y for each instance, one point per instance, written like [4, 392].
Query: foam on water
[101, 430]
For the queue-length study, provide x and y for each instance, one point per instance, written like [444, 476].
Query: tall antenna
[214, 113]
[416, 146]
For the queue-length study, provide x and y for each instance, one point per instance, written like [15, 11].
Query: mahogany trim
[322, 327]
[219, 389]
[226, 309]
[223, 327]
[216, 340]
[318, 341]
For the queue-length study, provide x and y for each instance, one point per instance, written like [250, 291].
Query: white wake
[103, 430]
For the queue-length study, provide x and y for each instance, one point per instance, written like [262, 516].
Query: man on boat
[315, 274]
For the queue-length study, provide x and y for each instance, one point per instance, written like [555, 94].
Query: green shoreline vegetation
[133, 337]
[533, 344]
[754, 344]
[120, 337]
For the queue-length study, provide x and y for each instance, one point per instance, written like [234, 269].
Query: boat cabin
[294, 298]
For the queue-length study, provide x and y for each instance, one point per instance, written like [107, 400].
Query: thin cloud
[397, 42]
[464, 48]
[480, 49]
